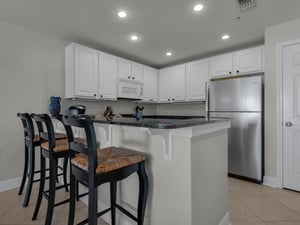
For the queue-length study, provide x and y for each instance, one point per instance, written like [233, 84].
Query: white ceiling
[162, 24]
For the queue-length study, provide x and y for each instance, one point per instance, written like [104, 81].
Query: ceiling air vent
[247, 4]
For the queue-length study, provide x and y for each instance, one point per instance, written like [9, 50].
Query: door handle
[288, 124]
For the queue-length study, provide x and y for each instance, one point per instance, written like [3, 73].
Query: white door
[108, 76]
[86, 72]
[291, 117]
[196, 77]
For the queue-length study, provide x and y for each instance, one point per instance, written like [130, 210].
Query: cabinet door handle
[230, 72]
[95, 95]
[101, 96]
[238, 71]
[288, 124]
[173, 99]
[132, 78]
[129, 77]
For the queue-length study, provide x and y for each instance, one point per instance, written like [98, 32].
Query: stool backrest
[28, 125]
[46, 130]
[85, 122]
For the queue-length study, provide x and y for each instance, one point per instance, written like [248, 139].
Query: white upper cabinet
[248, 61]
[81, 72]
[237, 63]
[137, 71]
[129, 70]
[172, 84]
[220, 65]
[165, 77]
[196, 79]
[108, 77]
[150, 88]
[177, 83]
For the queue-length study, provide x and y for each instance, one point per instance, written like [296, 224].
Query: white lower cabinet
[150, 88]
[108, 76]
[196, 79]
[81, 72]
[172, 84]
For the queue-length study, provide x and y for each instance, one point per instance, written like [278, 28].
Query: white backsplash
[98, 107]
[127, 107]
[195, 109]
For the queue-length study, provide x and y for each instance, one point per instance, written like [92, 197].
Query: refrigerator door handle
[206, 100]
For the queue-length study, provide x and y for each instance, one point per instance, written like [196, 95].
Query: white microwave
[131, 90]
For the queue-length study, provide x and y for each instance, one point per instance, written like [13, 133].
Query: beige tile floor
[249, 204]
[252, 204]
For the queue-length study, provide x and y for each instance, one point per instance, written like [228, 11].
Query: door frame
[280, 122]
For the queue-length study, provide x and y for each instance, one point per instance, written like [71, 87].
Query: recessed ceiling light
[225, 37]
[122, 14]
[134, 38]
[198, 7]
[168, 53]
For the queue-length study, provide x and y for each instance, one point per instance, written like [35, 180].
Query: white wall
[31, 70]
[273, 36]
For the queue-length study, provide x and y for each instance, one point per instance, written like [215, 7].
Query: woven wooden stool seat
[37, 137]
[62, 144]
[109, 159]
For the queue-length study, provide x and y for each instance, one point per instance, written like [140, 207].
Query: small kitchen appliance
[76, 109]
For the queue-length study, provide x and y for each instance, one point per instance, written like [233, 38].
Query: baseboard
[10, 184]
[271, 181]
[225, 220]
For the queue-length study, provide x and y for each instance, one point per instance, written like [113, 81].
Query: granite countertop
[157, 121]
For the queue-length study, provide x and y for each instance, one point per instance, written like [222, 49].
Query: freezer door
[238, 94]
[245, 147]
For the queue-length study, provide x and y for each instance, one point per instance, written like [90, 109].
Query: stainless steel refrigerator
[241, 100]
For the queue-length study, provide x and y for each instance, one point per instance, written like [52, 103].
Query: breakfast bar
[187, 167]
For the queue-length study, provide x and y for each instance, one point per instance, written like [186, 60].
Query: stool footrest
[126, 212]
[98, 215]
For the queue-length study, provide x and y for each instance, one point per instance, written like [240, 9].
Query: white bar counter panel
[188, 186]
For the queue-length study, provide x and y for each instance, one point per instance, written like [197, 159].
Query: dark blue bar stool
[92, 167]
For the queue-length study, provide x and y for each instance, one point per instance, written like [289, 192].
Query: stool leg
[93, 204]
[24, 171]
[30, 174]
[41, 188]
[113, 194]
[65, 173]
[56, 162]
[77, 190]
[143, 192]
[73, 194]
[52, 186]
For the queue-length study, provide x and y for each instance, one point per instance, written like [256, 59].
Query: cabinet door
[165, 76]
[136, 72]
[108, 76]
[196, 77]
[177, 83]
[220, 65]
[86, 72]
[124, 69]
[248, 60]
[150, 88]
